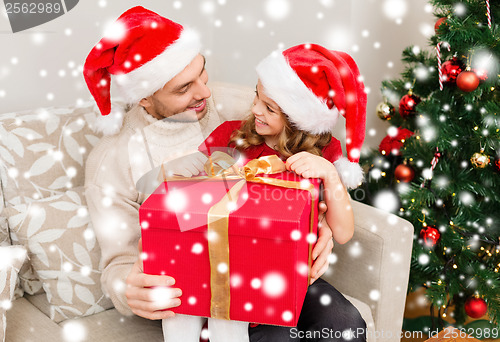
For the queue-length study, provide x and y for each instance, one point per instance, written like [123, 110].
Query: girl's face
[269, 119]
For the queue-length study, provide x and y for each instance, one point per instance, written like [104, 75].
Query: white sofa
[42, 159]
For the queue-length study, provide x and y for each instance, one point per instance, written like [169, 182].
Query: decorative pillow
[11, 259]
[64, 253]
[44, 151]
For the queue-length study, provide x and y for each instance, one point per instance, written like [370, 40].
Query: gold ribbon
[220, 166]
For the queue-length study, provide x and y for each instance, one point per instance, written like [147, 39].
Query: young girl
[299, 96]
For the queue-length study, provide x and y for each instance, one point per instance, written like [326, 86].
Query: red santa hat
[140, 52]
[313, 86]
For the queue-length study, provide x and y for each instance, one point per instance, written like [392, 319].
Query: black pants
[338, 321]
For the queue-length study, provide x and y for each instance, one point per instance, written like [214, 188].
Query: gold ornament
[480, 160]
[385, 110]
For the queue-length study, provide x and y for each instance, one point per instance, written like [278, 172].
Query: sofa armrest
[374, 266]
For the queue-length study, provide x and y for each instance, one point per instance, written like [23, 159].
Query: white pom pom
[350, 173]
[109, 124]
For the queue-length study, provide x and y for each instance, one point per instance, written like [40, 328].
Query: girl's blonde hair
[290, 141]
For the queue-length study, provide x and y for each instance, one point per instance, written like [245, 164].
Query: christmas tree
[439, 165]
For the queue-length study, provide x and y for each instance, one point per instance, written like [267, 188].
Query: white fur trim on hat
[152, 76]
[350, 173]
[298, 102]
[109, 124]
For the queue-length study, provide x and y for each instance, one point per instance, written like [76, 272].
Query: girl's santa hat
[313, 86]
[140, 52]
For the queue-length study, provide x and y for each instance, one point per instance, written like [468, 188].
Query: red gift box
[268, 236]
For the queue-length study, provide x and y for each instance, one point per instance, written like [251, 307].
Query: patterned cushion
[11, 259]
[42, 153]
[64, 253]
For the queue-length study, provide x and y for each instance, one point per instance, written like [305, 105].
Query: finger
[139, 245]
[300, 168]
[149, 280]
[291, 159]
[201, 158]
[319, 247]
[199, 165]
[193, 170]
[322, 207]
[156, 305]
[320, 262]
[153, 315]
[320, 273]
[152, 294]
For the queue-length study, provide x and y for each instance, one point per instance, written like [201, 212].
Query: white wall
[42, 66]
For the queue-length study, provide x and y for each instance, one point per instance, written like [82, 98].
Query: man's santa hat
[140, 52]
[313, 86]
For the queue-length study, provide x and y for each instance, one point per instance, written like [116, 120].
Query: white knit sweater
[117, 162]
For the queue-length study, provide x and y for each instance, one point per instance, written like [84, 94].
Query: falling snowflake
[287, 316]
[325, 299]
[274, 284]
[395, 9]
[277, 9]
[386, 200]
[256, 283]
[197, 248]
[74, 331]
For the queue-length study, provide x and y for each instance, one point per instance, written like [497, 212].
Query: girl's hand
[308, 165]
[323, 247]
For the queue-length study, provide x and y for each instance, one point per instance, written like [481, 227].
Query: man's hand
[323, 246]
[187, 166]
[150, 296]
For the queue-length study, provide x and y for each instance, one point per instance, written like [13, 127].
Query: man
[156, 65]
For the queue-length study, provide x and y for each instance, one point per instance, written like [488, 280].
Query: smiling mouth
[199, 107]
[260, 121]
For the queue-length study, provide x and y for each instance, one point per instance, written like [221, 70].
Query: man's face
[186, 93]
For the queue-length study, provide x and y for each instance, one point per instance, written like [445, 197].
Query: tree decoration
[392, 144]
[496, 164]
[385, 110]
[407, 104]
[467, 80]
[430, 235]
[438, 23]
[404, 173]
[488, 13]
[440, 69]
[434, 162]
[450, 70]
[475, 307]
[480, 160]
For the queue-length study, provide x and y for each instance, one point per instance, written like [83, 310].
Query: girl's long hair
[290, 141]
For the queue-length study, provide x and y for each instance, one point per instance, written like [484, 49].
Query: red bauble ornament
[467, 81]
[481, 73]
[407, 105]
[392, 144]
[451, 69]
[404, 173]
[475, 307]
[430, 235]
[438, 23]
[496, 164]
